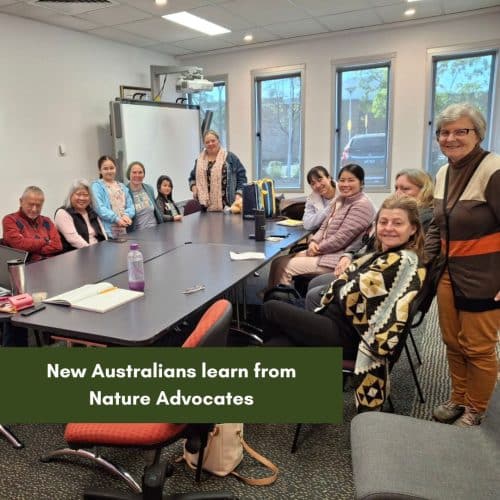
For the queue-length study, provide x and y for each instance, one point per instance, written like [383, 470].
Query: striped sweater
[474, 225]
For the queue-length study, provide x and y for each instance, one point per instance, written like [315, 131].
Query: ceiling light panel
[196, 23]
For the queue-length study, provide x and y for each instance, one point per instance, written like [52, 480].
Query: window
[460, 78]
[278, 122]
[216, 101]
[362, 120]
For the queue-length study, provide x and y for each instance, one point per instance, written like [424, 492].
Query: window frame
[373, 61]
[457, 52]
[276, 72]
[218, 80]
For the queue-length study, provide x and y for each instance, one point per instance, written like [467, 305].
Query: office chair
[82, 438]
[191, 207]
[401, 457]
[10, 437]
[420, 304]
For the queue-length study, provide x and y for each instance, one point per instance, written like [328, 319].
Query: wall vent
[73, 7]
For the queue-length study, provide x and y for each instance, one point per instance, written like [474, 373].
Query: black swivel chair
[418, 308]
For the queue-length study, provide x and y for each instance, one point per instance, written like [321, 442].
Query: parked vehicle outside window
[370, 152]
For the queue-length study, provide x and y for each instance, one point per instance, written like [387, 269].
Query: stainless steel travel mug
[17, 274]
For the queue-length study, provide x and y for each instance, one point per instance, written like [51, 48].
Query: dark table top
[169, 271]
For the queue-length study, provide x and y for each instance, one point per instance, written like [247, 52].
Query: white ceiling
[139, 22]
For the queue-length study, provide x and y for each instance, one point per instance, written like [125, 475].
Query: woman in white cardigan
[318, 203]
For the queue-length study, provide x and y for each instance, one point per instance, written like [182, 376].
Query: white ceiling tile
[382, 3]
[222, 17]
[172, 5]
[73, 23]
[138, 22]
[30, 11]
[395, 13]
[160, 29]
[451, 6]
[121, 36]
[112, 16]
[262, 12]
[170, 49]
[325, 7]
[204, 43]
[358, 19]
[259, 35]
[297, 28]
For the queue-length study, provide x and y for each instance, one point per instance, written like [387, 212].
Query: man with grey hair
[27, 230]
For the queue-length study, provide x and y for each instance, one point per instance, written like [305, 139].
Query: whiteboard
[165, 138]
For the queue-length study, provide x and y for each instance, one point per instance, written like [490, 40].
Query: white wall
[410, 43]
[55, 87]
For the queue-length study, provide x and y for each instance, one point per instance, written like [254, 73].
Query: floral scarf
[211, 197]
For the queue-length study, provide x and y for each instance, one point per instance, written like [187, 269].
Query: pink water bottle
[135, 264]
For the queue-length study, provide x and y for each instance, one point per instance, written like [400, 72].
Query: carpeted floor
[320, 469]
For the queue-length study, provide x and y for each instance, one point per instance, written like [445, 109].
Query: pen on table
[109, 290]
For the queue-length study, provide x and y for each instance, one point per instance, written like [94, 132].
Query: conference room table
[177, 257]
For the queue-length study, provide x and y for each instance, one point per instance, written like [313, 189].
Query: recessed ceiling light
[248, 38]
[196, 23]
[410, 12]
[162, 3]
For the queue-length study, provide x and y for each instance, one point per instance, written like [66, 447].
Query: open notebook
[99, 297]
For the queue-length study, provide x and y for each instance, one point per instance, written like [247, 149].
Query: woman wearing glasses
[465, 234]
[76, 221]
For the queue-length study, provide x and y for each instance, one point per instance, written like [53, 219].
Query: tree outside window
[464, 78]
[279, 130]
[362, 120]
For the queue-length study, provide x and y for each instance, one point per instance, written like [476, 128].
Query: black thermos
[260, 225]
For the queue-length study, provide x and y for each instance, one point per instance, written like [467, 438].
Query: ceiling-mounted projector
[192, 81]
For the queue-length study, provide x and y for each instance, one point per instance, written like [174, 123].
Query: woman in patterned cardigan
[366, 308]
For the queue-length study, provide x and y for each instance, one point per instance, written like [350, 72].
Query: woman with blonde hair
[365, 309]
[218, 176]
[417, 184]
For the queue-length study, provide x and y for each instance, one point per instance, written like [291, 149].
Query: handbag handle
[253, 481]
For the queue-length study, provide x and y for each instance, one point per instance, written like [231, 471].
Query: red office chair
[211, 331]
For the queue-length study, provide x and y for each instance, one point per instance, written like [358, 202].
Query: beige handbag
[224, 452]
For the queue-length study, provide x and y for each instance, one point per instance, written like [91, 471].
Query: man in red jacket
[27, 230]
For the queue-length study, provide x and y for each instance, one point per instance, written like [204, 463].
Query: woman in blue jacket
[143, 196]
[112, 200]
[218, 176]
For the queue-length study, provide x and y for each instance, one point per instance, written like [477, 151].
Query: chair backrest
[415, 307]
[424, 299]
[293, 208]
[8, 253]
[213, 327]
[191, 207]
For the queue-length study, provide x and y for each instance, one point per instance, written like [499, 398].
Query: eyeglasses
[459, 132]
